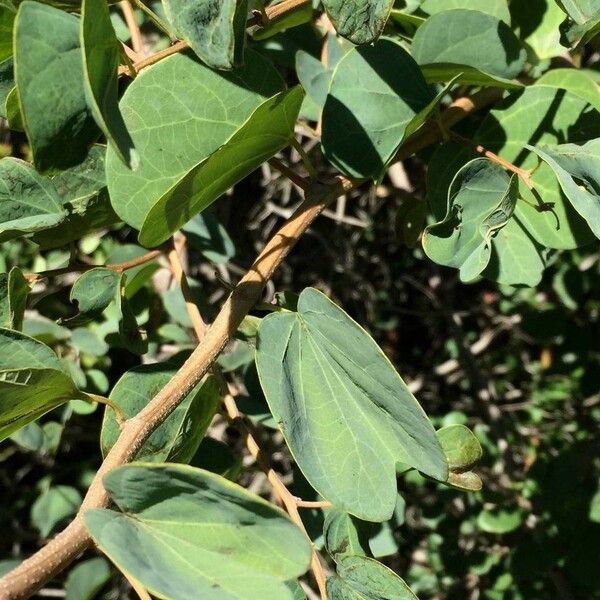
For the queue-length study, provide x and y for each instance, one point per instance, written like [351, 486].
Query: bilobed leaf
[362, 578]
[95, 290]
[473, 44]
[269, 129]
[211, 538]
[177, 136]
[13, 298]
[577, 169]
[101, 57]
[481, 199]
[356, 138]
[87, 578]
[360, 21]
[28, 201]
[178, 437]
[55, 505]
[496, 8]
[59, 124]
[214, 29]
[346, 415]
[27, 393]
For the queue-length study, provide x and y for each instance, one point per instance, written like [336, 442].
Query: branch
[34, 572]
[136, 35]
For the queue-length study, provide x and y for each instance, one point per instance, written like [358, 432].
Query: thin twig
[134, 30]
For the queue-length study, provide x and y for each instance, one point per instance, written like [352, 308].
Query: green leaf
[178, 437]
[362, 578]
[214, 29]
[346, 415]
[461, 447]
[101, 58]
[13, 298]
[481, 199]
[499, 521]
[357, 139]
[7, 19]
[28, 393]
[470, 43]
[7, 83]
[297, 15]
[217, 457]
[95, 290]
[583, 23]
[360, 21]
[577, 169]
[82, 190]
[55, 505]
[496, 8]
[206, 234]
[178, 138]
[341, 536]
[134, 339]
[269, 129]
[59, 125]
[87, 578]
[537, 24]
[211, 537]
[20, 351]
[28, 201]
[576, 81]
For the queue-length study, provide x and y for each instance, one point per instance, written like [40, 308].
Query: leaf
[134, 339]
[55, 505]
[217, 457]
[481, 199]
[20, 351]
[357, 139]
[179, 436]
[346, 415]
[537, 24]
[341, 536]
[269, 129]
[461, 447]
[205, 233]
[444, 46]
[212, 538]
[467, 481]
[82, 190]
[297, 15]
[495, 8]
[214, 29]
[48, 57]
[360, 21]
[362, 578]
[28, 201]
[13, 298]
[95, 290]
[575, 81]
[577, 169]
[87, 578]
[7, 82]
[195, 150]
[7, 19]
[499, 521]
[101, 58]
[583, 23]
[28, 393]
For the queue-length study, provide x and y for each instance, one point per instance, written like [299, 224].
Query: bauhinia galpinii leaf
[214, 29]
[346, 415]
[360, 21]
[186, 533]
[48, 57]
[32, 381]
[191, 152]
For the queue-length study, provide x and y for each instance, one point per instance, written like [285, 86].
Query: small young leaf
[59, 125]
[451, 40]
[461, 448]
[362, 578]
[213, 538]
[178, 438]
[346, 415]
[101, 58]
[481, 200]
[577, 169]
[500, 521]
[214, 29]
[360, 21]
[341, 535]
[13, 298]
[95, 290]
[28, 201]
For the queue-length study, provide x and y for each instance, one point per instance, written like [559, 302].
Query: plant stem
[134, 30]
[305, 159]
[155, 19]
[121, 418]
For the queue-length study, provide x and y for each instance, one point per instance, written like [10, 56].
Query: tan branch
[134, 30]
